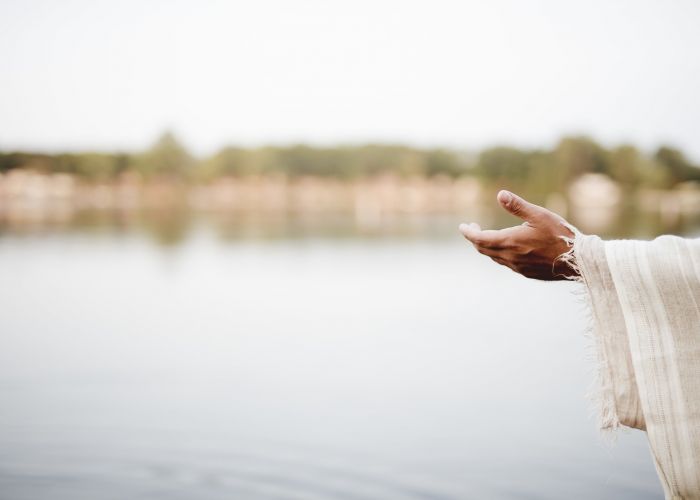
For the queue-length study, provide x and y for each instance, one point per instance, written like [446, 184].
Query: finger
[474, 233]
[504, 263]
[503, 257]
[490, 238]
[470, 231]
[490, 252]
[501, 261]
[519, 207]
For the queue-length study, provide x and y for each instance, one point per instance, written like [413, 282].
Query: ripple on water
[75, 471]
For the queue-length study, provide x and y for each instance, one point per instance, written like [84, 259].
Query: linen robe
[645, 303]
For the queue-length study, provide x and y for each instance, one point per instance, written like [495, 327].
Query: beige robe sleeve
[645, 304]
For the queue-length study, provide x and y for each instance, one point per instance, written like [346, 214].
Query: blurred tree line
[538, 171]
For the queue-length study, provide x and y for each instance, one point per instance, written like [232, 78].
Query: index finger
[489, 238]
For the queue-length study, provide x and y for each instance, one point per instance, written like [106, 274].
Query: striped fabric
[645, 303]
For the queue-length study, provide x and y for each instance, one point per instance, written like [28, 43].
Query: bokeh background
[229, 258]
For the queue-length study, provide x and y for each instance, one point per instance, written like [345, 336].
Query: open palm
[532, 248]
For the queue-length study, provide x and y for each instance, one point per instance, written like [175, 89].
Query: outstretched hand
[531, 249]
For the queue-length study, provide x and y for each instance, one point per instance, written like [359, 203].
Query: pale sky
[90, 74]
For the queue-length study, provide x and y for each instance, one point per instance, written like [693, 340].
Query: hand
[531, 249]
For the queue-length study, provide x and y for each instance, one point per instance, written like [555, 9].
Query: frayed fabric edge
[600, 393]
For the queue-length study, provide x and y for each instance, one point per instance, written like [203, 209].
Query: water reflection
[174, 226]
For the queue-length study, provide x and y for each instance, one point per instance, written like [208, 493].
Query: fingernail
[505, 197]
[463, 227]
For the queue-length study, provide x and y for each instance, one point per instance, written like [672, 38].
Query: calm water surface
[294, 368]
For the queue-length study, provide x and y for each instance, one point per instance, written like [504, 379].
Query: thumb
[519, 207]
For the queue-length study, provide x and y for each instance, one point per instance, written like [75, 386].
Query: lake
[294, 364]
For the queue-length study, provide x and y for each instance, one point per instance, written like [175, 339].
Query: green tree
[503, 164]
[166, 158]
[675, 166]
[625, 165]
[576, 156]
